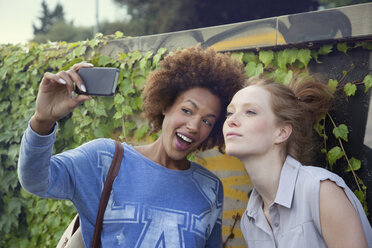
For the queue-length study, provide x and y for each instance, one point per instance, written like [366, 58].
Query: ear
[284, 132]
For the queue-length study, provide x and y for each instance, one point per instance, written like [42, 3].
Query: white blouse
[295, 212]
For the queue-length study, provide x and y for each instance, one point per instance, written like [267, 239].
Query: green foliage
[332, 83]
[64, 31]
[334, 154]
[28, 221]
[367, 82]
[341, 132]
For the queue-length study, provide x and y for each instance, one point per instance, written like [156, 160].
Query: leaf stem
[345, 155]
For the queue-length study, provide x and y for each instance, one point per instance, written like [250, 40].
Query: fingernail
[73, 95]
[83, 88]
[90, 64]
[62, 81]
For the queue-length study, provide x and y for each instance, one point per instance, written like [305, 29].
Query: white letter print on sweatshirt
[163, 227]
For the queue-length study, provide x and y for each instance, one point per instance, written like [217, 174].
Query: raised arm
[54, 101]
[56, 98]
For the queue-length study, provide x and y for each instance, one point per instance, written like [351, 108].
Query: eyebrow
[246, 104]
[197, 107]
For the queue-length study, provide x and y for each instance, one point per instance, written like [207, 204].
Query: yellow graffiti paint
[236, 194]
[231, 214]
[236, 180]
[236, 231]
[221, 163]
[270, 38]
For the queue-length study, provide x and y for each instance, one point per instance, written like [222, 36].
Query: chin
[232, 152]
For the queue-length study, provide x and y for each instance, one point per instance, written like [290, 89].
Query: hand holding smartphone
[99, 81]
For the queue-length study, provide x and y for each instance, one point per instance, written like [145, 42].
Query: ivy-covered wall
[345, 134]
[28, 221]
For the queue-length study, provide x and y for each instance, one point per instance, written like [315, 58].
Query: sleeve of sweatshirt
[58, 176]
[34, 159]
[34, 167]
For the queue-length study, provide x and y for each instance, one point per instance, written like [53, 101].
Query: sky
[17, 16]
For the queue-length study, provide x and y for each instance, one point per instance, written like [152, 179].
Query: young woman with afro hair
[159, 197]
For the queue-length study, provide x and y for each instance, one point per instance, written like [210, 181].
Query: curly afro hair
[187, 69]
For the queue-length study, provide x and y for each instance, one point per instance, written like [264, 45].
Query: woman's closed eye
[228, 114]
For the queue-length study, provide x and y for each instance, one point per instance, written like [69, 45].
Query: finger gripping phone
[99, 81]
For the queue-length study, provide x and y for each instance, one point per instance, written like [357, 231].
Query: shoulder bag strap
[111, 175]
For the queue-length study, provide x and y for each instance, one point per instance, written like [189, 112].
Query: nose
[232, 121]
[193, 124]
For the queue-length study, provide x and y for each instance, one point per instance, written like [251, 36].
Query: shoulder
[200, 169]
[98, 147]
[101, 143]
[312, 175]
[207, 179]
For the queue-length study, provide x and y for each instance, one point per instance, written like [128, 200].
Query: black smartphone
[99, 81]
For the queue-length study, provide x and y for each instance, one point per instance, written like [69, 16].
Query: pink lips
[232, 134]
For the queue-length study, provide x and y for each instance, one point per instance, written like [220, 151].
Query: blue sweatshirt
[149, 206]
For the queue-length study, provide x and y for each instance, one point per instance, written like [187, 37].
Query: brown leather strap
[111, 175]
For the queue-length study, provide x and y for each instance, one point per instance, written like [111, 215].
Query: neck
[264, 172]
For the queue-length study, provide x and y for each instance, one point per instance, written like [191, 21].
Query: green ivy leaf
[136, 56]
[14, 206]
[314, 55]
[282, 76]
[139, 82]
[304, 55]
[291, 55]
[332, 84]
[266, 57]
[367, 45]
[324, 50]
[342, 47]
[141, 132]
[103, 60]
[360, 195]
[350, 89]
[100, 110]
[117, 116]
[281, 60]
[341, 132]
[367, 82]
[118, 35]
[319, 128]
[252, 69]
[118, 99]
[102, 132]
[355, 164]
[79, 51]
[127, 110]
[130, 125]
[237, 56]
[156, 59]
[334, 154]
[250, 57]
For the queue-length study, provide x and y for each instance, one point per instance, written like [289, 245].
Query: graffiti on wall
[306, 27]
